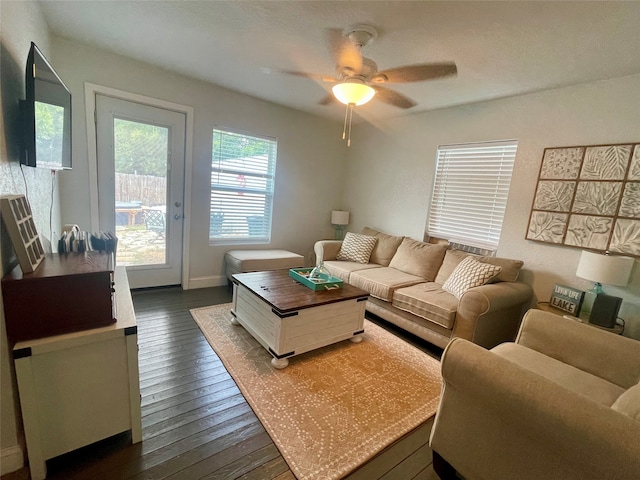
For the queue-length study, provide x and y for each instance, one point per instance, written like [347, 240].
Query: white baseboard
[11, 459]
[205, 282]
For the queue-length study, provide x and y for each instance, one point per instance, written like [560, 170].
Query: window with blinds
[243, 172]
[470, 192]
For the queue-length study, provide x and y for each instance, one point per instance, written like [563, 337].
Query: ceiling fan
[357, 79]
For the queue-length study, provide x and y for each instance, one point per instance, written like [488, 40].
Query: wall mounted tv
[47, 116]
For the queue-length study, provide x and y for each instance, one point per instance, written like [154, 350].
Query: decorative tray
[325, 282]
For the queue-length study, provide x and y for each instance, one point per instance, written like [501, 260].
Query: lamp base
[589, 298]
[339, 232]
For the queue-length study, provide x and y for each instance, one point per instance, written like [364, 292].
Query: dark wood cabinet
[66, 293]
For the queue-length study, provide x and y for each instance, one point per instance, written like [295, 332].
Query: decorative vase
[320, 272]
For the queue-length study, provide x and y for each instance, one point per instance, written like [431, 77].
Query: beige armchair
[562, 402]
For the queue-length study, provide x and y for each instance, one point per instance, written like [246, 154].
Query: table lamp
[602, 268]
[339, 219]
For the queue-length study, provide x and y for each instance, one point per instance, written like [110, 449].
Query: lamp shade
[607, 269]
[339, 217]
[353, 93]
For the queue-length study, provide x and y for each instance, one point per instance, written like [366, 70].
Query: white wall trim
[11, 459]
[209, 281]
[90, 92]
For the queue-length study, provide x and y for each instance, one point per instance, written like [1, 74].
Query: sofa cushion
[343, 269]
[570, 377]
[385, 248]
[510, 268]
[381, 282]
[419, 258]
[428, 301]
[468, 274]
[451, 260]
[356, 248]
[629, 403]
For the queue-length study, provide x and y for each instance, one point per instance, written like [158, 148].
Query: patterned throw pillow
[356, 248]
[468, 274]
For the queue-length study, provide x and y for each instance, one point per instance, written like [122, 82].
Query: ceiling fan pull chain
[350, 108]
[344, 129]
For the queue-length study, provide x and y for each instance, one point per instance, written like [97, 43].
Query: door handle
[177, 216]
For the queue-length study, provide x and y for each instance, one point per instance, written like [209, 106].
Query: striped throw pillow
[356, 248]
[468, 274]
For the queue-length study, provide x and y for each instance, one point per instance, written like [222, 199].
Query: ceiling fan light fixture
[353, 93]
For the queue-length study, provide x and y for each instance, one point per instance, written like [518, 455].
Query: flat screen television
[47, 116]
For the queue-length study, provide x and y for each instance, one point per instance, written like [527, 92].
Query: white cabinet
[81, 387]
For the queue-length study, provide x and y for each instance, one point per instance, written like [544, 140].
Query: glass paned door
[141, 187]
[141, 156]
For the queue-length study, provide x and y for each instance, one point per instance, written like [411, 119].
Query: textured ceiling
[500, 48]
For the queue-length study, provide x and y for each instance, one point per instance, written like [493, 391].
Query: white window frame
[242, 190]
[470, 192]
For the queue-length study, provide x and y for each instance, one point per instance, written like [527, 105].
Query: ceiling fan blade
[392, 97]
[416, 73]
[345, 53]
[313, 76]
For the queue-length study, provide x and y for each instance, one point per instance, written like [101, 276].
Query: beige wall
[396, 160]
[20, 24]
[310, 157]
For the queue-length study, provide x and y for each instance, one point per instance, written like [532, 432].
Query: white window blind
[242, 183]
[470, 192]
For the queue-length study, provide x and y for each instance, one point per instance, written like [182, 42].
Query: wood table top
[284, 294]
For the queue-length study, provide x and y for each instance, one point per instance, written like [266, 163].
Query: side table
[618, 329]
[80, 387]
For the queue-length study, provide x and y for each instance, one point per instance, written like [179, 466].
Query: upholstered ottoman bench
[243, 261]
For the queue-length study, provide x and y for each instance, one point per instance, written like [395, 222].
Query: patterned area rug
[334, 408]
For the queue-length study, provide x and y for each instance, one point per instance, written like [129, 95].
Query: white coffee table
[288, 318]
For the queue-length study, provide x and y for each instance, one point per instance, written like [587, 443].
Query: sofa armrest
[326, 250]
[604, 354]
[496, 296]
[497, 420]
[490, 314]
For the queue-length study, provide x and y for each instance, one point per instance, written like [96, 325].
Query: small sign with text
[567, 299]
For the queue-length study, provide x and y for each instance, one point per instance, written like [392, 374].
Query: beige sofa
[562, 402]
[405, 280]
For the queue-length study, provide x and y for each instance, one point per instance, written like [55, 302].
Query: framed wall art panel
[589, 197]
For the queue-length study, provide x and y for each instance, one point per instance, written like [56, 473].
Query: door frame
[90, 92]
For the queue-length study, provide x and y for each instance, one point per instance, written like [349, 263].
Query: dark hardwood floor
[195, 422]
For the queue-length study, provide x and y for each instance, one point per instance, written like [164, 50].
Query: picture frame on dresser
[18, 218]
